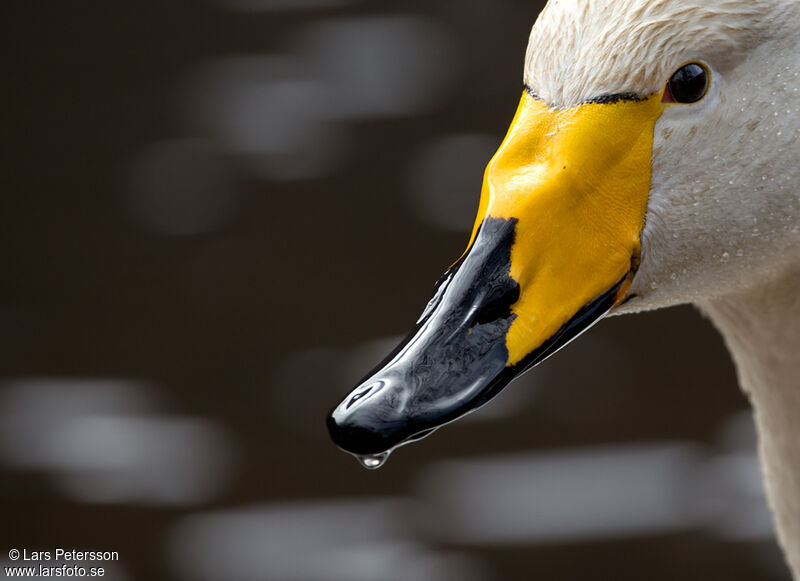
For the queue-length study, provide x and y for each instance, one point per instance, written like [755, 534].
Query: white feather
[583, 49]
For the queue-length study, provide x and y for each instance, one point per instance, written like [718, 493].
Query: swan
[653, 161]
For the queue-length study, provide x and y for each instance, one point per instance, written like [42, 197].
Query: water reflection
[368, 539]
[600, 493]
[284, 115]
[567, 496]
[373, 67]
[268, 113]
[101, 443]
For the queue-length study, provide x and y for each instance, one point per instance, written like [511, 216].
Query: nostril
[363, 392]
[498, 307]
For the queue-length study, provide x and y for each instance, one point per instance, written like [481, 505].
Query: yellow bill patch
[577, 180]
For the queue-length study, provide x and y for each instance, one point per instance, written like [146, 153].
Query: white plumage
[580, 49]
[723, 221]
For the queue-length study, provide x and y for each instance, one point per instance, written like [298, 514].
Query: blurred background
[217, 216]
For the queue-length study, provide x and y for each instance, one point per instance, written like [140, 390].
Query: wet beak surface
[554, 248]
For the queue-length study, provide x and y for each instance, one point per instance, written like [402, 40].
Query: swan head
[633, 177]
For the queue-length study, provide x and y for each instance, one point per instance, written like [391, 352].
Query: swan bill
[555, 246]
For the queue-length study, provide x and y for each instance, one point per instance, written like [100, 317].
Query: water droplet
[654, 285]
[373, 461]
[674, 276]
[725, 257]
[740, 253]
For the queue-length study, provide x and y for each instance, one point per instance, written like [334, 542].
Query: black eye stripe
[689, 84]
[618, 97]
[602, 99]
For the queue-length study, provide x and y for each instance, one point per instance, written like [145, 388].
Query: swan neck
[761, 327]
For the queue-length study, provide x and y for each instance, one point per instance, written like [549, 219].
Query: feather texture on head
[584, 49]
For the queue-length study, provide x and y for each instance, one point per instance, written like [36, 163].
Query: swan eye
[689, 84]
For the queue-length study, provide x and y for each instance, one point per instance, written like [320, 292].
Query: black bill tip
[456, 358]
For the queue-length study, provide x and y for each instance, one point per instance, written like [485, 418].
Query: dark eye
[689, 84]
